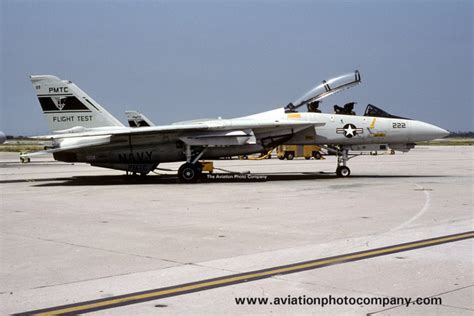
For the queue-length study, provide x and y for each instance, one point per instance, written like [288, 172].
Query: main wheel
[290, 155]
[343, 171]
[189, 173]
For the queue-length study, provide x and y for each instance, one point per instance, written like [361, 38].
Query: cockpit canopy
[325, 89]
[313, 97]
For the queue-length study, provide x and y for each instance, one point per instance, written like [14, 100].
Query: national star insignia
[349, 130]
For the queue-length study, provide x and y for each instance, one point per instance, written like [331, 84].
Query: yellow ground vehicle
[291, 151]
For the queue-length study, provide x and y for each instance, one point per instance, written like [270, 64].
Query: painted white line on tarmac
[422, 211]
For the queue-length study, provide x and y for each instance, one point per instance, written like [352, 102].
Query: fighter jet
[83, 131]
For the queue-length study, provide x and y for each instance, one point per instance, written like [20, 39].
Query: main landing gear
[342, 157]
[191, 171]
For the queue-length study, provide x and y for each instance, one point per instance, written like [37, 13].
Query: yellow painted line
[212, 283]
[372, 125]
[294, 115]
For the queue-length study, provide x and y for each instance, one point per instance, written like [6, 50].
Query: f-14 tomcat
[83, 131]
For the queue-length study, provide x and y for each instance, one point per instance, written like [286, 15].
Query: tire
[189, 173]
[343, 171]
[290, 155]
[307, 158]
[317, 155]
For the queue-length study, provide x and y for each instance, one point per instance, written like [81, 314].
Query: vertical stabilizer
[137, 119]
[66, 106]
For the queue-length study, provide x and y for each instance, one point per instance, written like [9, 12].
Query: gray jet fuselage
[359, 130]
[84, 131]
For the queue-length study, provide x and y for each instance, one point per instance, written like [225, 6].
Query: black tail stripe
[55, 94]
[67, 112]
[47, 104]
[67, 103]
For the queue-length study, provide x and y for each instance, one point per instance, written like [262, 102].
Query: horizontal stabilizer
[73, 144]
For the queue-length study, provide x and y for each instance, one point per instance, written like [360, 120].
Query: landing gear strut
[342, 170]
[191, 171]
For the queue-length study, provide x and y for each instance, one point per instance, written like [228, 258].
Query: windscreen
[372, 110]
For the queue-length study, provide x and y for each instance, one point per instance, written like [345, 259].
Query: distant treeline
[462, 134]
[17, 137]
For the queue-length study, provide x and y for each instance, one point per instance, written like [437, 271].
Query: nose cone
[436, 132]
[424, 131]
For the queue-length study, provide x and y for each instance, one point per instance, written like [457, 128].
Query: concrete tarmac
[75, 233]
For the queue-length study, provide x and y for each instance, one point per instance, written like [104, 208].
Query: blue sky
[183, 60]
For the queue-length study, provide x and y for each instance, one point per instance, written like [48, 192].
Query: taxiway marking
[422, 211]
[139, 297]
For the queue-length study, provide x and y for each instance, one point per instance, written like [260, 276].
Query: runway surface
[73, 234]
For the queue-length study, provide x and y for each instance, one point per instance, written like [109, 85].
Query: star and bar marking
[349, 130]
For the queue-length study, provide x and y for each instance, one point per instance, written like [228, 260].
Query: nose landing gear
[343, 171]
[342, 157]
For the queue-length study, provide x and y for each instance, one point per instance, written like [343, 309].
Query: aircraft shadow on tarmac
[214, 178]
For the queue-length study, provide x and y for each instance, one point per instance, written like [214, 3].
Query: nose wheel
[342, 170]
